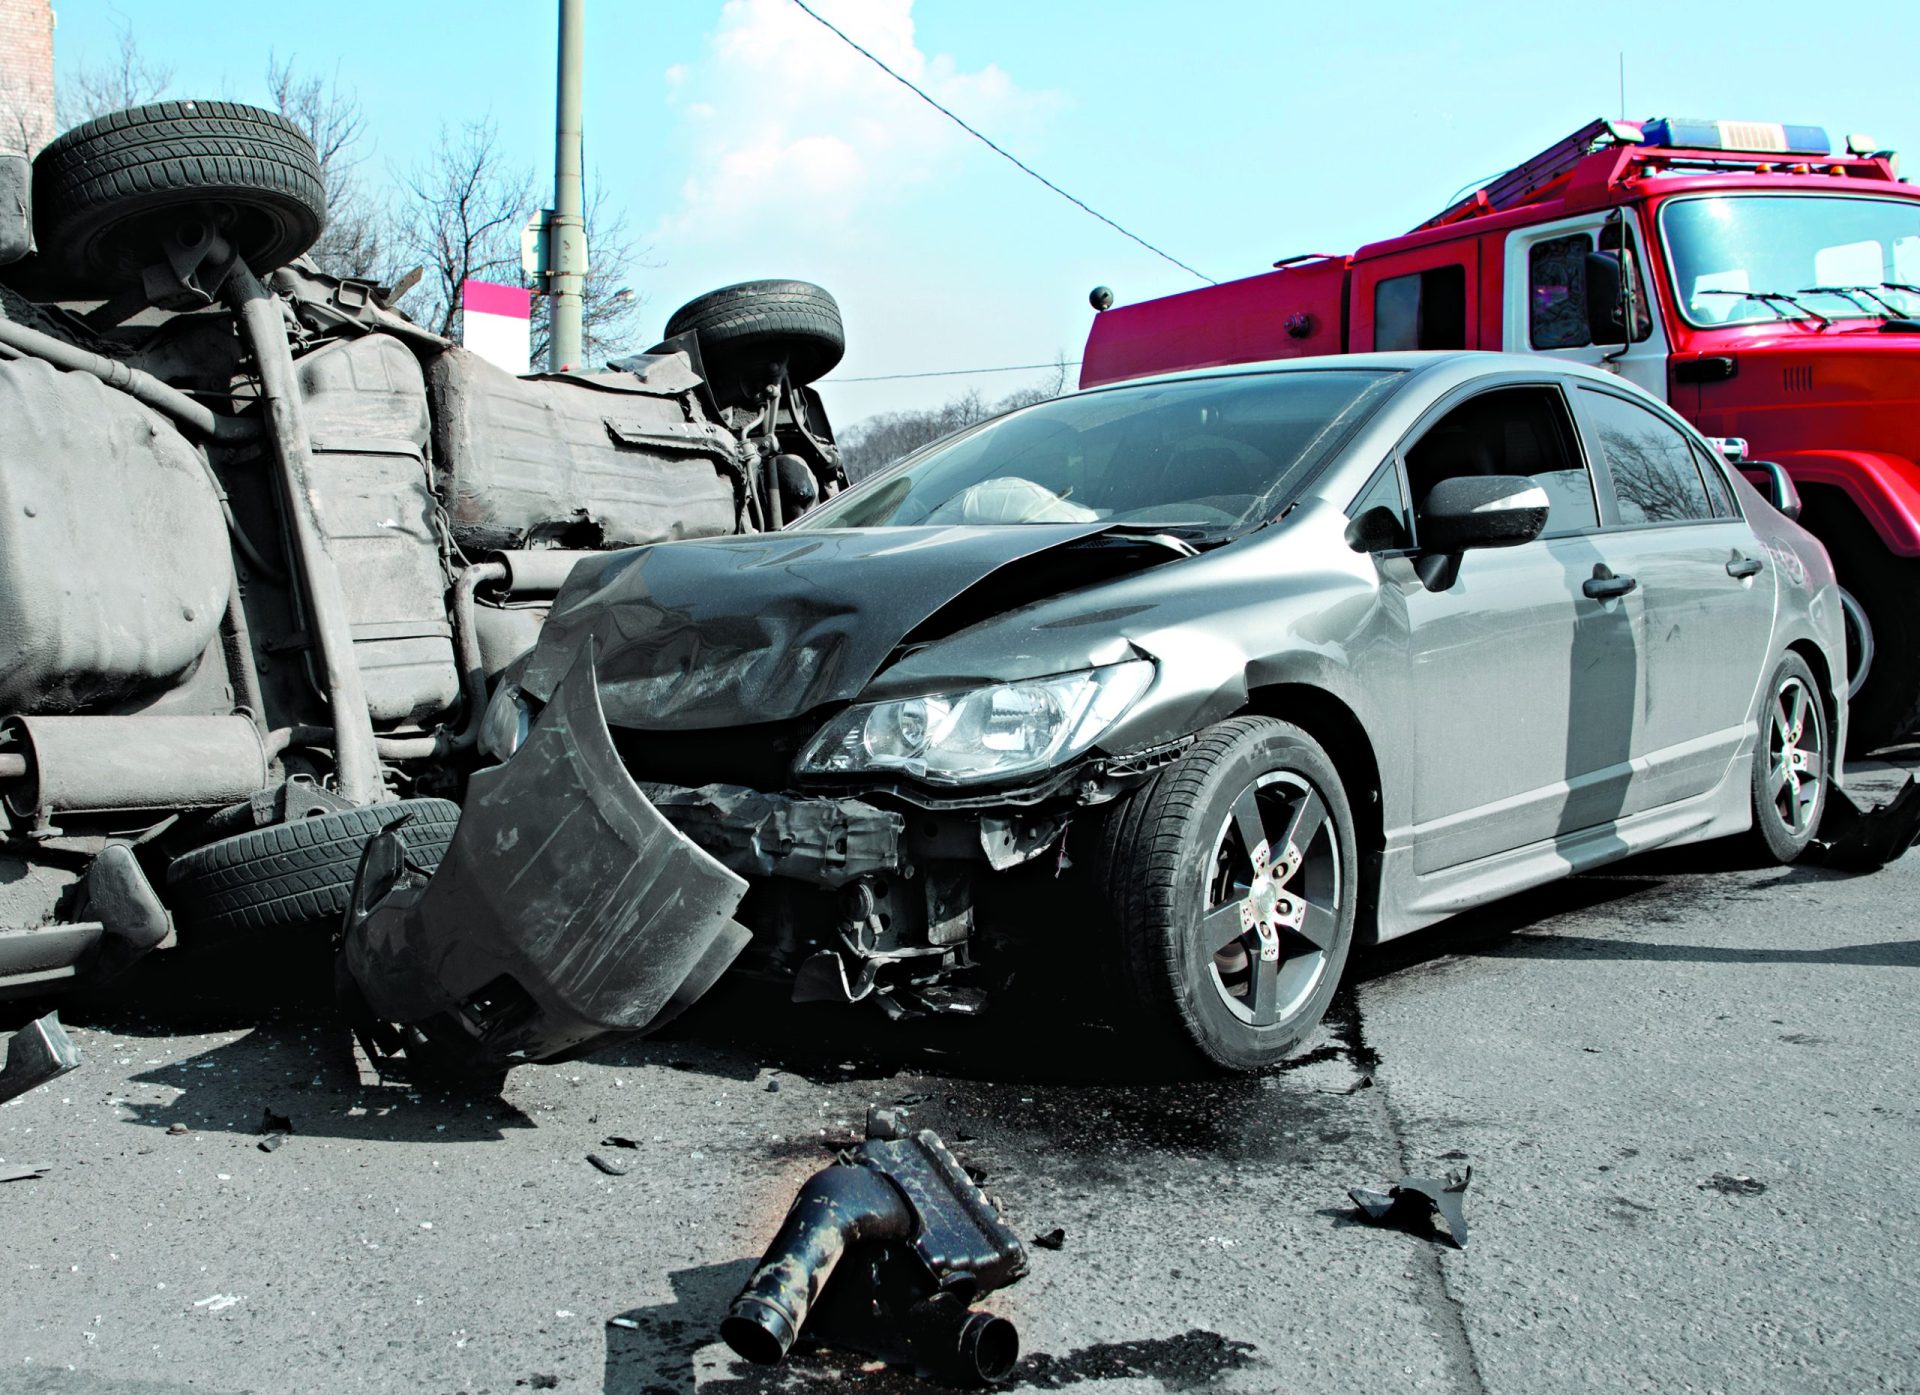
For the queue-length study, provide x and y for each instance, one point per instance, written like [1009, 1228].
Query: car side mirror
[1604, 322]
[1468, 511]
[1774, 484]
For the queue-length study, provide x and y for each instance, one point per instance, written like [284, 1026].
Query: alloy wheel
[1273, 899]
[1796, 754]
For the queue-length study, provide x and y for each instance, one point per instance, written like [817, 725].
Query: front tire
[1792, 763]
[1232, 882]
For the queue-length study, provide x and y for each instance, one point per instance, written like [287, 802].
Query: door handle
[1603, 585]
[1744, 567]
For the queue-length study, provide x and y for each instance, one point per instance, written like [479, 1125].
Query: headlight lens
[981, 734]
[506, 723]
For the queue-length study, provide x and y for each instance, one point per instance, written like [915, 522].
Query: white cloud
[781, 119]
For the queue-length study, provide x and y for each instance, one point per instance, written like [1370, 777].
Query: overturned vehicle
[265, 544]
[1201, 680]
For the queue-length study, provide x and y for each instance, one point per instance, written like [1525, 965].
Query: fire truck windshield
[1748, 258]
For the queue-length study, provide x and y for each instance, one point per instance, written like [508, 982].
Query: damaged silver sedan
[1243, 666]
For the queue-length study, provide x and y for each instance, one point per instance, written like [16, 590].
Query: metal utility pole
[567, 238]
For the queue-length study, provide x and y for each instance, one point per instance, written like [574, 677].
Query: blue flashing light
[1755, 137]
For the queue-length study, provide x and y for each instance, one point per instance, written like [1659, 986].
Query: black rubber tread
[1888, 589]
[1767, 838]
[746, 329]
[1146, 851]
[95, 182]
[301, 872]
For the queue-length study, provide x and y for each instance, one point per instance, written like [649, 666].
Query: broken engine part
[881, 1253]
[38, 1052]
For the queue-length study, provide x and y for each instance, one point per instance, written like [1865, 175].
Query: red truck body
[1824, 381]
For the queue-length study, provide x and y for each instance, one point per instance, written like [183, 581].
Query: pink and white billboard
[495, 323]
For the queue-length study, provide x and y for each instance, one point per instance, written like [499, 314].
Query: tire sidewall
[1778, 841]
[1266, 747]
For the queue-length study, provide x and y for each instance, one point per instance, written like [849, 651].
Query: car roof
[1463, 363]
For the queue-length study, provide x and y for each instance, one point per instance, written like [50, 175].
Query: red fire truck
[1764, 287]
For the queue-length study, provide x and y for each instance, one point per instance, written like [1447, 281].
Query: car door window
[1510, 431]
[1655, 478]
[1717, 490]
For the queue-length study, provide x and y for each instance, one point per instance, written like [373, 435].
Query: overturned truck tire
[748, 331]
[297, 873]
[107, 193]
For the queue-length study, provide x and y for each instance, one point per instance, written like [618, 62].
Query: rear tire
[107, 193]
[298, 873]
[1792, 765]
[1232, 881]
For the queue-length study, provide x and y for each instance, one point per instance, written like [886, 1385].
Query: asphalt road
[1684, 1088]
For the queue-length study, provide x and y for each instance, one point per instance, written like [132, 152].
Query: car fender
[1884, 487]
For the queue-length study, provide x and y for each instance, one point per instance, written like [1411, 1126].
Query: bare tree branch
[128, 80]
[874, 443]
[358, 227]
[462, 209]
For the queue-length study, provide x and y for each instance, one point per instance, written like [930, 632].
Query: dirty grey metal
[131, 916]
[1864, 840]
[828, 842]
[612, 459]
[16, 208]
[142, 387]
[565, 910]
[38, 1052]
[114, 566]
[1412, 1203]
[262, 324]
[538, 572]
[99, 763]
[882, 1253]
[364, 403]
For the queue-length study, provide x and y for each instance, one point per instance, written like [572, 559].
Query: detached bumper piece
[566, 911]
[881, 1254]
[38, 1052]
[827, 842]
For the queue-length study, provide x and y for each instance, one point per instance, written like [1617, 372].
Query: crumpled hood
[721, 632]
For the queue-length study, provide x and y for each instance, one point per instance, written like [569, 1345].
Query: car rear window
[1209, 453]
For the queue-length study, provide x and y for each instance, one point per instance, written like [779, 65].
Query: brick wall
[26, 74]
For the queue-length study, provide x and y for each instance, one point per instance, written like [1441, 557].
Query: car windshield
[1750, 258]
[1211, 454]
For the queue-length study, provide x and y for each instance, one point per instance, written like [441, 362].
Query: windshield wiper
[1769, 299]
[1859, 295]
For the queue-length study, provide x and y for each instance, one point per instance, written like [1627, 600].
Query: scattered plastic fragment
[1739, 1184]
[1412, 1203]
[176, 1129]
[23, 1172]
[276, 1127]
[1864, 840]
[37, 1053]
[617, 1141]
[881, 1253]
[612, 1169]
[271, 1142]
[214, 1303]
[1055, 1239]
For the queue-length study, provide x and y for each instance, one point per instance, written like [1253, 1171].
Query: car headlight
[980, 734]
[507, 721]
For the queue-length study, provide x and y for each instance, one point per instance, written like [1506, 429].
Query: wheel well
[1332, 723]
[1822, 675]
[1829, 513]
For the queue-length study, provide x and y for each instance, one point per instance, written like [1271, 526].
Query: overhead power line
[963, 372]
[998, 150]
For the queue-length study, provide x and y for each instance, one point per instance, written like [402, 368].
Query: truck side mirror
[1604, 322]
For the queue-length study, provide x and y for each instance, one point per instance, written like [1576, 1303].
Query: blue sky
[746, 141]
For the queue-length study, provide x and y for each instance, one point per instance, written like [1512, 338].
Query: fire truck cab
[1765, 287]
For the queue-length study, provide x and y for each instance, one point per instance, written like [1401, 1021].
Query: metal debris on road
[619, 1141]
[612, 1169]
[1865, 840]
[176, 1129]
[881, 1253]
[1055, 1239]
[37, 1053]
[1739, 1184]
[1412, 1203]
[276, 1128]
[23, 1172]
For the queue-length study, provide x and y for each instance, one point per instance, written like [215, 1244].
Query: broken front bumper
[566, 909]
